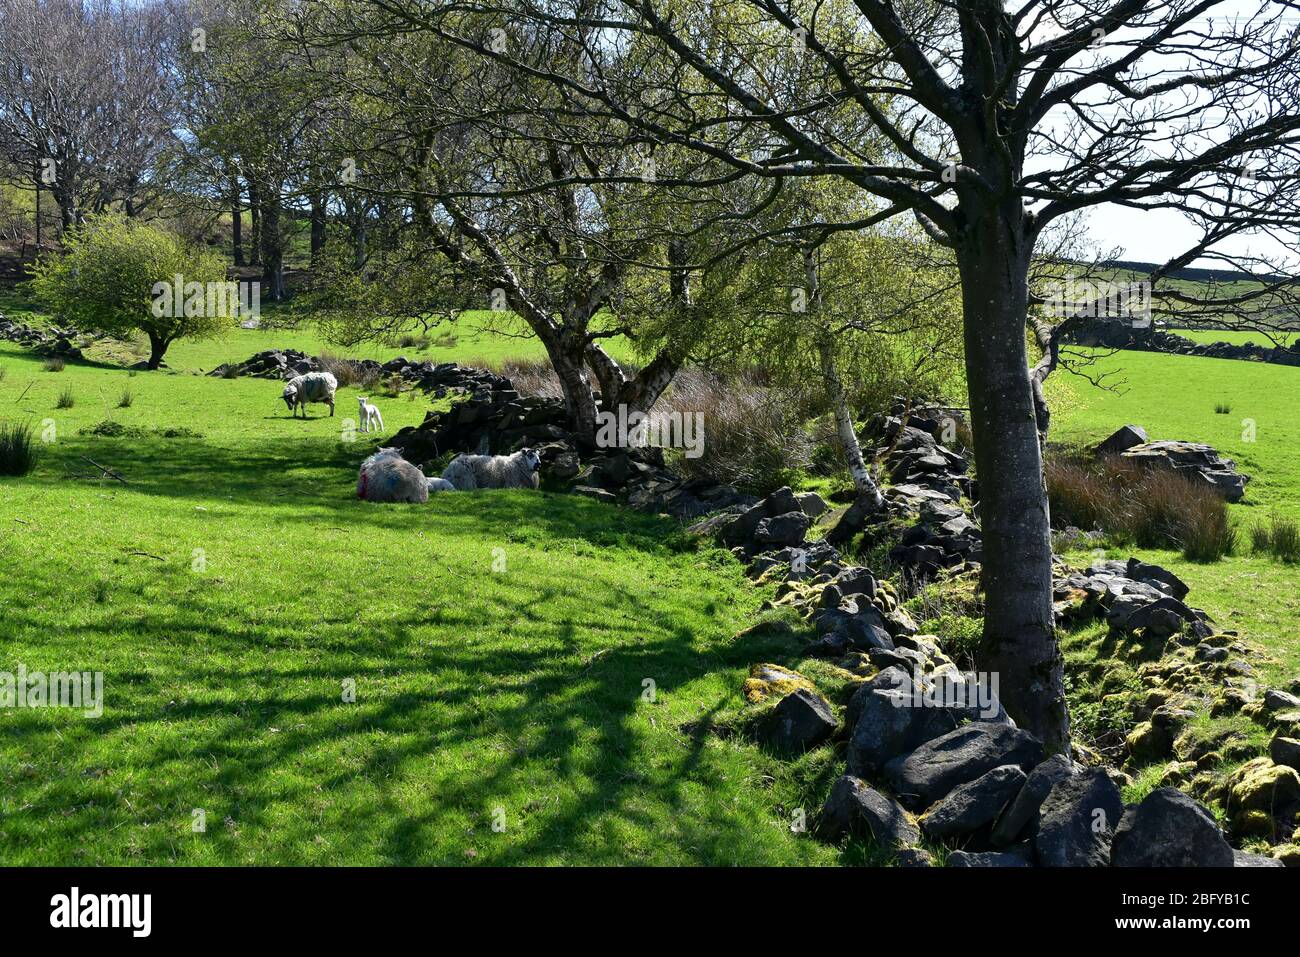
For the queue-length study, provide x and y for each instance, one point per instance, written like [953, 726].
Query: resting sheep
[311, 387]
[387, 477]
[469, 472]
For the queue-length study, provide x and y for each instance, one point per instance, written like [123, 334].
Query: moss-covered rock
[1147, 743]
[767, 681]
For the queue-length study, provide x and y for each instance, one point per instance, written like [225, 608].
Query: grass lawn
[476, 338]
[234, 585]
[1174, 397]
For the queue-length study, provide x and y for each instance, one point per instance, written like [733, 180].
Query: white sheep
[369, 414]
[312, 387]
[469, 472]
[387, 477]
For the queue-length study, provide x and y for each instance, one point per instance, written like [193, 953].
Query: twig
[109, 472]
[25, 391]
[147, 555]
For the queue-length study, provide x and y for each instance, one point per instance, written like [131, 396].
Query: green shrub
[115, 276]
[18, 452]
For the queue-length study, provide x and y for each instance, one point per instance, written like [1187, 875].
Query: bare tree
[87, 98]
[999, 118]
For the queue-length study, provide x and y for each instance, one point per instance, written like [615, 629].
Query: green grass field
[233, 589]
[233, 585]
[1174, 397]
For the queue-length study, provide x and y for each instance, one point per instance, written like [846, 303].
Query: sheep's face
[289, 395]
[362, 400]
[533, 459]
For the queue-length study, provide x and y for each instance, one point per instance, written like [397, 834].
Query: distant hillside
[1193, 274]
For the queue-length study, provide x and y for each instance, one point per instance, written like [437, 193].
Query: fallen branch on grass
[107, 471]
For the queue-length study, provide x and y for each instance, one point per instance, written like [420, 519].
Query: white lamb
[369, 414]
[469, 472]
[311, 387]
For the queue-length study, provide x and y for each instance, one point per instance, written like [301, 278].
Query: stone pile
[48, 342]
[1194, 460]
[1118, 333]
[270, 364]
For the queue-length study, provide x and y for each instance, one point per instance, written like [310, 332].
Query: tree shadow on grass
[536, 711]
[308, 480]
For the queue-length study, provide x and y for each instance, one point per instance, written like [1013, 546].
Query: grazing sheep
[312, 387]
[387, 477]
[369, 414]
[469, 472]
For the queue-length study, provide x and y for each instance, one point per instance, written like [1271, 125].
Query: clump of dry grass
[533, 377]
[347, 372]
[1149, 508]
[752, 437]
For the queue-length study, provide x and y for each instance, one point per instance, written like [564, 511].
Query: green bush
[116, 277]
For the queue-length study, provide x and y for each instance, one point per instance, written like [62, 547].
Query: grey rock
[936, 767]
[1275, 700]
[974, 805]
[786, 529]
[1022, 813]
[1285, 751]
[986, 859]
[1077, 819]
[812, 504]
[1245, 859]
[914, 857]
[1169, 829]
[590, 491]
[1121, 440]
[800, 721]
[855, 808]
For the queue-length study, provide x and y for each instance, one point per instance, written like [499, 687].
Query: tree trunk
[236, 223]
[255, 213]
[1019, 641]
[317, 225]
[868, 492]
[863, 483]
[157, 348]
[272, 253]
[579, 397]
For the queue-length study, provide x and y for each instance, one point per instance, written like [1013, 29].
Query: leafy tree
[119, 276]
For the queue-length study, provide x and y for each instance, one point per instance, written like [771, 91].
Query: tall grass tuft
[66, 399]
[126, 400]
[53, 364]
[347, 372]
[1280, 538]
[3, 372]
[18, 452]
[1149, 508]
[1222, 408]
[752, 437]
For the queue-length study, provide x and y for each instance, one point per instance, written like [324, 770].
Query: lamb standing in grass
[387, 477]
[312, 387]
[469, 472]
[370, 416]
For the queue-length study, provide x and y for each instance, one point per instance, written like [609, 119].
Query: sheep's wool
[313, 386]
[469, 472]
[387, 477]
